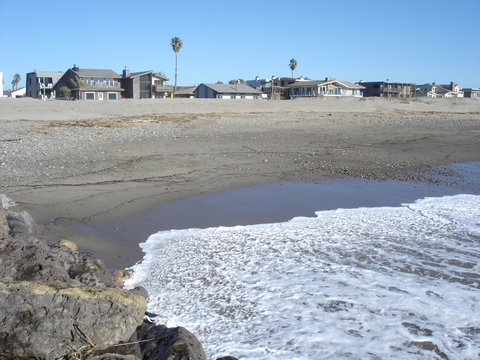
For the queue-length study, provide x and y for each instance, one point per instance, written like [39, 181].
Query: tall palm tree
[176, 44]
[292, 65]
[15, 81]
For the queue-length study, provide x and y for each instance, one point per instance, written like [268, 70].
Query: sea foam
[391, 282]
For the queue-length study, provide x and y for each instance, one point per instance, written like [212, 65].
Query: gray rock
[50, 320]
[160, 342]
[140, 291]
[24, 257]
[58, 302]
[20, 223]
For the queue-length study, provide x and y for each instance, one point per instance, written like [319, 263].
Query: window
[89, 96]
[112, 96]
[100, 96]
[145, 85]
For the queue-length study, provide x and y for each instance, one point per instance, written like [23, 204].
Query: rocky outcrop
[50, 320]
[160, 342]
[24, 257]
[57, 303]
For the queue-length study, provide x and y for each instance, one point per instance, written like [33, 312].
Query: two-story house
[91, 84]
[40, 84]
[388, 89]
[145, 85]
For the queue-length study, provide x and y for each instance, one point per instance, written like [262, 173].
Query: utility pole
[272, 87]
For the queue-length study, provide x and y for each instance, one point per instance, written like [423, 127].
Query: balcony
[162, 88]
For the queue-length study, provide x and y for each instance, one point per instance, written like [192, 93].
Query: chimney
[452, 85]
[75, 68]
[329, 78]
[256, 78]
[126, 72]
[236, 85]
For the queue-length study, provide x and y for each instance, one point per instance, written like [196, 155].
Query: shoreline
[268, 203]
[70, 163]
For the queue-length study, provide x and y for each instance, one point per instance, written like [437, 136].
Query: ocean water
[365, 283]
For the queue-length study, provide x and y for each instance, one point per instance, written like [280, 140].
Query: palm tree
[78, 83]
[176, 44]
[16, 80]
[292, 65]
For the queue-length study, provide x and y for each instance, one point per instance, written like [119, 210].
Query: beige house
[328, 87]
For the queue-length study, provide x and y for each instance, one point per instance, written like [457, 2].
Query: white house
[433, 90]
[328, 87]
[19, 93]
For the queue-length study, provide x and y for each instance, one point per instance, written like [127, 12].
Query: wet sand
[74, 164]
[268, 203]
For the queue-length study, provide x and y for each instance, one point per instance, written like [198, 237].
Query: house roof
[440, 89]
[137, 74]
[232, 89]
[96, 73]
[48, 73]
[20, 90]
[185, 90]
[347, 84]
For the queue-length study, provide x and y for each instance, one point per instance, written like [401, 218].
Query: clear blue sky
[410, 41]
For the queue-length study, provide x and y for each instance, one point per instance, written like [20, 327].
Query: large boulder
[26, 258]
[50, 320]
[160, 342]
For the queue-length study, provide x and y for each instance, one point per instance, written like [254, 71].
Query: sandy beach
[74, 163]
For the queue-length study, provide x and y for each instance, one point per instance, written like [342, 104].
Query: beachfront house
[328, 87]
[471, 93]
[426, 90]
[439, 91]
[18, 93]
[185, 92]
[451, 90]
[274, 87]
[90, 84]
[40, 84]
[388, 89]
[226, 91]
[145, 85]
